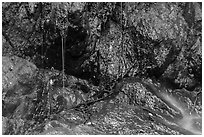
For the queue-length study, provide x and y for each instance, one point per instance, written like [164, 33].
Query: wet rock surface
[128, 68]
[14, 68]
[133, 106]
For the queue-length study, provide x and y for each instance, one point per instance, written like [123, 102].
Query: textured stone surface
[136, 106]
[15, 68]
[136, 68]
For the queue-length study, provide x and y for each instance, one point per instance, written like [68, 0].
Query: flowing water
[63, 59]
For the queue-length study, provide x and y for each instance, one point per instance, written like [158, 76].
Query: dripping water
[63, 78]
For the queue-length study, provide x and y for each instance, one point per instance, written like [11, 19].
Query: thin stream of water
[63, 61]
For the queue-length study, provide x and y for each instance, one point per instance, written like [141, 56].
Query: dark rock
[131, 68]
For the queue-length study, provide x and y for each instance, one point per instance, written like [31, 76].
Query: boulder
[13, 69]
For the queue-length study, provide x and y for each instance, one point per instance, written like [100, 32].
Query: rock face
[36, 96]
[142, 107]
[15, 73]
[15, 69]
[131, 68]
[40, 105]
[161, 40]
[117, 57]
